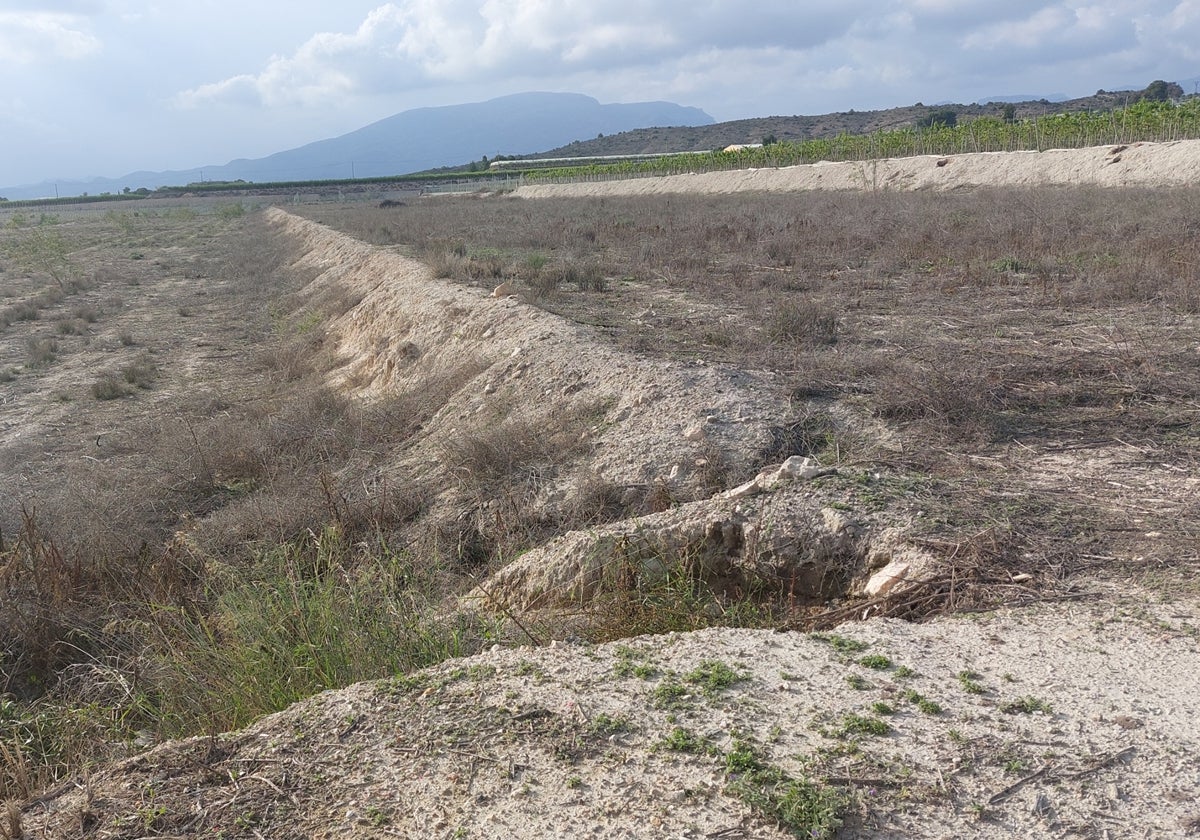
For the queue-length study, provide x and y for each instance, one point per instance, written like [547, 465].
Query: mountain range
[413, 141]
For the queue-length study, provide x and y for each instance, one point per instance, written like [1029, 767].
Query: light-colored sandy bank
[1139, 164]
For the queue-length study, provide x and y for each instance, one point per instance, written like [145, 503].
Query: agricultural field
[247, 456]
[1143, 122]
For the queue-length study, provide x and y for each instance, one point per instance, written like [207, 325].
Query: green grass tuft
[1026, 706]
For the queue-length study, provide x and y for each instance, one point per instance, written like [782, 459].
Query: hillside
[719, 135]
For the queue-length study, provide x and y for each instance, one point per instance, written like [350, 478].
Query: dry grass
[969, 325]
[108, 387]
[969, 317]
[42, 350]
[258, 526]
[503, 465]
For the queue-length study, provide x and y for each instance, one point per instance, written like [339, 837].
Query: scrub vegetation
[188, 540]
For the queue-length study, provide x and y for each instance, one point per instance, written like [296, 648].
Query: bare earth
[1076, 718]
[1147, 164]
[518, 743]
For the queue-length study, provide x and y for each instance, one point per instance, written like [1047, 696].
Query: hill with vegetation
[822, 126]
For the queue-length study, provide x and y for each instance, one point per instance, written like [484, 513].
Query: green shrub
[1026, 706]
[713, 677]
[686, 741]
[312, 614]
[856, 724]
[841, 644]
[944, 117]
[876, 662]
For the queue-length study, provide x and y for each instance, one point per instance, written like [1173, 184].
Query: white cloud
[1073, 27]
[811, 55]
[1027, 33]
[401, 46]
[26, 37]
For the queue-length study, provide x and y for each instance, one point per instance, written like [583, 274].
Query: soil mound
[1051, 721]
[1138, 164]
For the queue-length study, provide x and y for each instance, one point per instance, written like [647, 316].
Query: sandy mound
[1140, 164]
[641, 427]
[514, 361]
[1075, 720]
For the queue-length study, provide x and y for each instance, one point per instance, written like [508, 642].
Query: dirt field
[996, 389]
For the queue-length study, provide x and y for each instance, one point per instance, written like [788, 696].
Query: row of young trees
[1147, 120]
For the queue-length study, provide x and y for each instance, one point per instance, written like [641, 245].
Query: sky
[107, 87]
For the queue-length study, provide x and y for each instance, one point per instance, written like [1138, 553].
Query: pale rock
[838, 522]
[795, 468]
[694, 434]
[773, 537]
[750, 488]
[798, 468]
[886, 578]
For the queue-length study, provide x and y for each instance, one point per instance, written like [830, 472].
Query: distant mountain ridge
[413, 141]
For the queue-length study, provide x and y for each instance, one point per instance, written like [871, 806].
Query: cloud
[813, 54]
[325, 68]
[402, 46]
[73, 7]
[26, 37]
